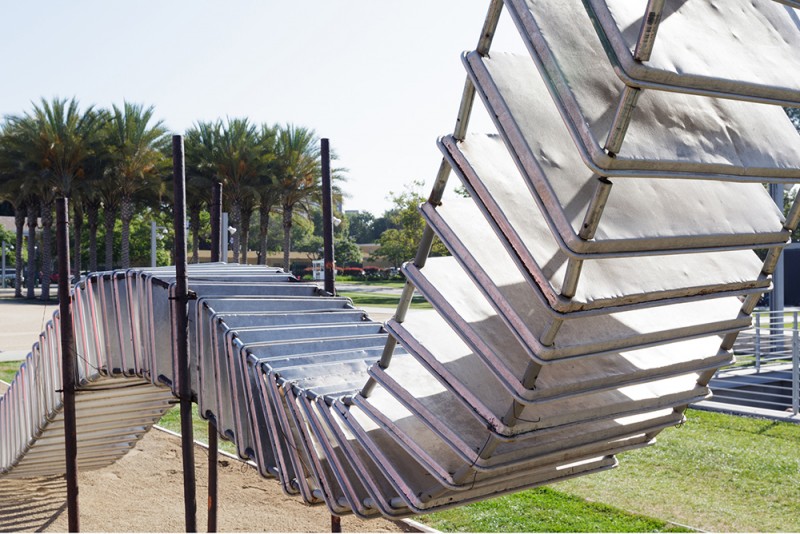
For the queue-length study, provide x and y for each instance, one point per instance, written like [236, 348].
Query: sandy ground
[143, 492]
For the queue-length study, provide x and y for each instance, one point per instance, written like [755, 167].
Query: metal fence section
[766, 374]
[603, 252]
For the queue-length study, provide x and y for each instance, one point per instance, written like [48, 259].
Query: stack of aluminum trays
[598, 276]
[127, 373]
[604, 262]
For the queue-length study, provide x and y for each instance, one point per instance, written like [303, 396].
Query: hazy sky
[381, 79]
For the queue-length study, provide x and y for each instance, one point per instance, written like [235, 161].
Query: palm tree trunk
[47, 247]
[246, 216]
[30, 277]
[19, 221]
[91, 215]
[126, 215]
[77, 227]
[110, 218]
[263, 229]
[236, 222]
[287, 235]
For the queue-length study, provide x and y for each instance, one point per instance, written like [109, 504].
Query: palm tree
[269, 192]
[298, 175]
[93, 204]
[239, 159]
[58, 141]
[137, 157]
[19, 223]
[201, 174]
[13, 176]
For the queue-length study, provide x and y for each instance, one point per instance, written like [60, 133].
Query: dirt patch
[143, 492]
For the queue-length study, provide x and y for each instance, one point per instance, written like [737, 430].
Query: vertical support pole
[153, 238]
[776, 301]
[327, 246]
[4, 265]
[213, 436]
[182, 333]
[795, 372]
[223, 241]
[758, 342]
[216, 220]
[67, 365]
[327, 217]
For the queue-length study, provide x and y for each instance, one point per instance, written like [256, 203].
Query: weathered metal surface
[743, 49]
[671, 134]
[599, 274]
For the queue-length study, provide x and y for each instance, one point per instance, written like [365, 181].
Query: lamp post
[5, 247]
[153, 241]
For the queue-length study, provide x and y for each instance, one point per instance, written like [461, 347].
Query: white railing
[767, 369]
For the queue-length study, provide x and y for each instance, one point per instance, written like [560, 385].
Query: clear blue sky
[381, 79]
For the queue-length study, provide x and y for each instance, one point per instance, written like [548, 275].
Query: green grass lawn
[543, 510]
[384, 301]
[8, 370]
[716, 472]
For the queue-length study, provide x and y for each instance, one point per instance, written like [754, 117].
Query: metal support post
[622, 119]
[758, 342]
[213, 436]
[181, 322]
[327, 217]
[216, 220]
[153, 237]
[3, 283]
[67, 365]
[795, 372]
[223, 241]
[648, 31]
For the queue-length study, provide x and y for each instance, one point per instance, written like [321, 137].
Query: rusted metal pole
[327, 216]
[213, 437]
[327, 246]
[67, 365]
[181, 322]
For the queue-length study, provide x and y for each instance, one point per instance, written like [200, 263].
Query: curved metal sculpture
[599, 275]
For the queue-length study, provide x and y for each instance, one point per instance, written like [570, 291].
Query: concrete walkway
[21, 322]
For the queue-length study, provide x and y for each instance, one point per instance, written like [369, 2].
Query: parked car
[10, 278]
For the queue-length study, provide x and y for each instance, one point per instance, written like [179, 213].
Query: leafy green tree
[138, 146]
[346, 252]
[201, 175]
[794, 116]
[13, 177]
[399, 243]
[240, 159]
[361, 227]
[298, 176]
[8, 238]
[267, 187]
[58, 142]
